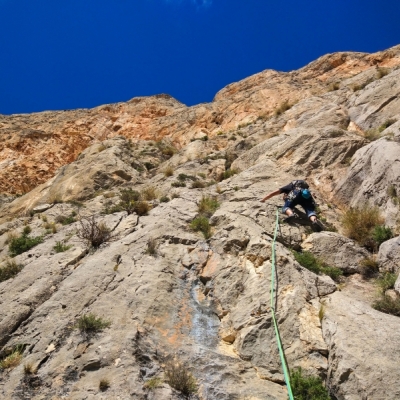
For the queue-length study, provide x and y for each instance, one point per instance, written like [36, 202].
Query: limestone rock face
[34, 146]
[357, 364]
[174, 295]
[374, 171]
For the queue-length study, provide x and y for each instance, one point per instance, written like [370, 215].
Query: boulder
[336, 250]
[389, 255]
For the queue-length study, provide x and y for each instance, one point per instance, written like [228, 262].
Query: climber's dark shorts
[308, 206]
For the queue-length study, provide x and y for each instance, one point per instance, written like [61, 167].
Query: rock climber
[297, 193]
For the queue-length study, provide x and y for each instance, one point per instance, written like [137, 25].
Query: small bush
[184, 177]
[178, 184]
[27, 230]
[333, 86]
[359, 224]
[179, 378]
[9, 270]
[369, 267]
[12, 360]
[207, 206]
[90, 323]
[316, 265]
[203, 225]
[93, 233]
[149, 193]
[204, 138]
[308, 387]
[128, 197]
[63, 220]
[282, 108]
[151, 247]
[104, 384]
[141, 208]
[60, 247]
[372, 134]
[29, 369]
[198, 185]
[388, 305]
[23, 243]
[386, 281]
[164, 199]
[381, 233]
[149, 165]
[381, 72]
[153, 383]
[392, 192]
[386, 124]
[227, 174]
[169, 171]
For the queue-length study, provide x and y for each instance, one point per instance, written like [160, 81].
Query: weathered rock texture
[203, 302]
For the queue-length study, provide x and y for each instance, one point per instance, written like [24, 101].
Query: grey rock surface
[389, 255]
[358, 368]
[336, 250]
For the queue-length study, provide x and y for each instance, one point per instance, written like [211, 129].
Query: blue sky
[65, 54]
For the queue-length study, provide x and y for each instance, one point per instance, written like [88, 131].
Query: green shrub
[227, 174]
[60, 247]
[27, 230]
[184, 177]
[203, 225]
[316, 265]
[386, 281]
[127, 197]
[13, 359]
[359, 224]
[308, 387]
[164, 199]
[70, 219]
[388, 305]
[153, 383]
[386, 124]
[90, 323]
[9, 270]
[381, 233]
[178, 184]
[207, 206]
[19, 245]
[179, 378]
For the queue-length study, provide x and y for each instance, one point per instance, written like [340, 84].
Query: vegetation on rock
[9, 270]
[316, 265]
[307, 387]
[23, 243]
[91, 323]
[178, 377]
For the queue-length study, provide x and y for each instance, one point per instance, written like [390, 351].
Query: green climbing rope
[272, 293]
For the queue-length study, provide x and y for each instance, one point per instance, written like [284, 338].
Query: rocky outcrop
[169, 293]
[389, 255]
[35, 146]
[336, 250]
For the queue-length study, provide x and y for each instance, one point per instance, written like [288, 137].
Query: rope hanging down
[272, 294]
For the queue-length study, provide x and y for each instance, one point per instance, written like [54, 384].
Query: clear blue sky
[63, 54]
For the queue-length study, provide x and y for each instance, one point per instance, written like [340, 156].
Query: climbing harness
[272, 294]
